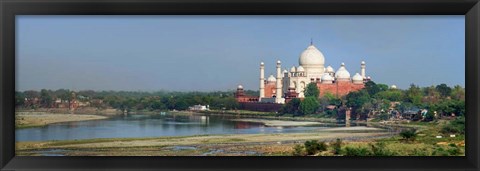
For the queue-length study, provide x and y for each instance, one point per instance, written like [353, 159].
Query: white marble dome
[311, 57]
[342, 73]
[271, 78]
[285, 71]
[393, 87]
[300, 69]
[330, 69]
[327, 77]
[240, 87]
[357, 78]
[293, 69]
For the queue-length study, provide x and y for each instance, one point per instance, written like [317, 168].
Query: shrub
[380, 149]
[337, 146]
[454, 150]
[440, 152]
[360, 151]
[330, 113]
[421, 152]
[313, 147]
[298, 150]
[450, 129]
[409, 134]
[456, 126]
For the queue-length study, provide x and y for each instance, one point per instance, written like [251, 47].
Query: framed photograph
[240, 85]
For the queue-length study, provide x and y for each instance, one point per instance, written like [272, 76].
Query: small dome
[285, 71]
[330, 69]
[262, 64]
[342, 73]
[293, 69]
[240, 87]
[271, 78]
[300, 69]
[279, 62]
[357, 78]
[393, 87]
[311, 57]
[363, 62]
[327, 77]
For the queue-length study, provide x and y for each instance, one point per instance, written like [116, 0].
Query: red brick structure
[270, 89]
[291, 94]
[262, 107]
[240, 96]
[339, 88]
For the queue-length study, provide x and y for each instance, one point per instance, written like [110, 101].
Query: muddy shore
[236, 144]
[34, 119]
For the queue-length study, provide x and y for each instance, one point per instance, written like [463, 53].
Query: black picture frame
[10, 8]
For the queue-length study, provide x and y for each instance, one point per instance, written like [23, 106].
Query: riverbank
[34, 119]
[80, 110]
[274, 123]
[263, 115]
[223, 145]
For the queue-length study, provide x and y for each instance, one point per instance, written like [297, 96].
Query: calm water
[150, 126]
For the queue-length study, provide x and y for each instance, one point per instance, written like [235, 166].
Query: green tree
[357, 99]
[65, 94]
[309, 105]
[32, 94]
[431, 95]
[391, 95]
[372, 88]
[45, 98]
[444, 90]
[409, 134]
[292, 107]
[313, 147]
[414, 95]
[382, 87]
[312, 90]
[19, 98]
[458, 93]
[230, 103]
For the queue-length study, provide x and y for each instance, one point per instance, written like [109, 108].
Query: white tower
[278, 92]
[262, 80]
[363, 69]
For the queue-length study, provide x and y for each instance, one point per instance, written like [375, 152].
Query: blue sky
[207, 53]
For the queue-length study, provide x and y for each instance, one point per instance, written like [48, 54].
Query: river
[142, 125]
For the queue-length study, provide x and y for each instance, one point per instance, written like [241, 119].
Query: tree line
[131, 100]
[376, 99]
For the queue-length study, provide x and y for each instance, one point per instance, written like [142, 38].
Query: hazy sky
[207, 53]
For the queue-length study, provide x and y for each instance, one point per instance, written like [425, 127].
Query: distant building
[242, 97]
[198, 108]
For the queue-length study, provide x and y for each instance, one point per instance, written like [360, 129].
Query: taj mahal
[289, 84]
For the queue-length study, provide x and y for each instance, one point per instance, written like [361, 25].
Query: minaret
[278, 92]
[363, 69]
[262, 80]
